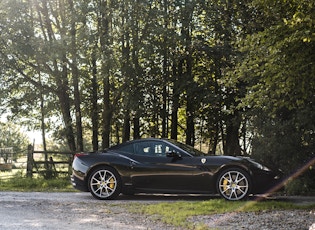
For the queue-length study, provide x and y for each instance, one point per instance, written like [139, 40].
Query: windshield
[191, 150]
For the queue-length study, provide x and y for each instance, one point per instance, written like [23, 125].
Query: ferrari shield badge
[203, 160]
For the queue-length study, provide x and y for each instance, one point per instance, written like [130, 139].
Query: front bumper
[267, 182]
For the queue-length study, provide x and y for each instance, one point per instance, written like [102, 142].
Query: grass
[176, 213]
[24, 184]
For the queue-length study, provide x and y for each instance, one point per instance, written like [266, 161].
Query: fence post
[29, 168]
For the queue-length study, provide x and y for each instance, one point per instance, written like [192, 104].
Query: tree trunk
[75, 77]
[190, 126]
[164, 109]
[104, 33]
[107, 115]
[187, 13]
[126, 128]
[190, 108]
[94, 113]
[42, 110]
[42, 120]
[175, 100]
[214, 140]
[136, 128]
[125, 69]
[232, 145]
[164, 112]
[64, 102]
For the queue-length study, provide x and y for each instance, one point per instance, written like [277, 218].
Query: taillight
[78, 155]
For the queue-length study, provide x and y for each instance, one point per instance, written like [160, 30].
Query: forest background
[228, 77]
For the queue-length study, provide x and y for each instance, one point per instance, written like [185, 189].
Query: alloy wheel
[104, 184]
[234, 184]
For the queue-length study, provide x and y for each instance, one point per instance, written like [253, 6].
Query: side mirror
[173, 154]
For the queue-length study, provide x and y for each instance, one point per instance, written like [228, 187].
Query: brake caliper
[112, 183]
[225, 185]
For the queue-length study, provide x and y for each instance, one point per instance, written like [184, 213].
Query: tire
[104, 183]
[234, 184]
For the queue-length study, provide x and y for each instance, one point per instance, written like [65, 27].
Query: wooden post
[30, 159]
[50, 169]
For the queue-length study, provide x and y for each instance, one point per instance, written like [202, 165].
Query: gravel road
[52, 211]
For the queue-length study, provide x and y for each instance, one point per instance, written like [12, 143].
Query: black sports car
[167, 166]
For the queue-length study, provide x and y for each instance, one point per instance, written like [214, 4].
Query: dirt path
[31, 211]
[80, 211]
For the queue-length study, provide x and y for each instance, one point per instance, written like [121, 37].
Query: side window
[160, 149]
[151, 148]
[143, 148]
[127, 148]
[147, 148]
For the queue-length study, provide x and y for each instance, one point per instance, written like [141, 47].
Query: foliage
[123, 69]
[300, 186]
[278, 72]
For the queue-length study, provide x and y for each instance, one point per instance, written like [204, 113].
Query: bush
[303, 185]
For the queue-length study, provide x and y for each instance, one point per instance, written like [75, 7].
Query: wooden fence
[49, 164]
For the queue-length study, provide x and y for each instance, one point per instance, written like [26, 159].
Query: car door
[153, 170]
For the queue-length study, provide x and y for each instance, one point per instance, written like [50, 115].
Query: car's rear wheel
[234, 184]
[104, 183]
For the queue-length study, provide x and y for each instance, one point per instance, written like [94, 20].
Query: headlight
[258, 165]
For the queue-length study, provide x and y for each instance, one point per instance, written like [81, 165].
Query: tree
[11, 136]
[278, 71]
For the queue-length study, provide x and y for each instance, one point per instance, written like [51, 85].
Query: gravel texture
[52, 211]
[64, 211]
[267, 220]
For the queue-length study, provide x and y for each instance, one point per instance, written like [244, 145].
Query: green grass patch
[24, 184]
[176, 213]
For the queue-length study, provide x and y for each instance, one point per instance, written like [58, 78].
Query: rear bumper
[78, 184]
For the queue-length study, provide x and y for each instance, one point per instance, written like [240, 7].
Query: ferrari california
[166, 166]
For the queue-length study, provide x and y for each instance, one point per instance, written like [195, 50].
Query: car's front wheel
[104, 183]
[234, 184]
